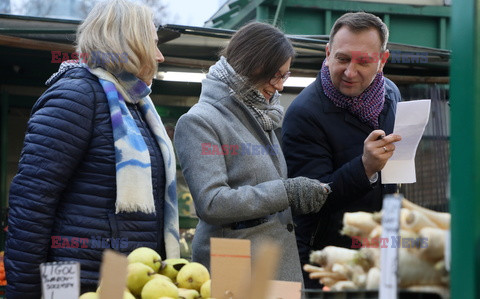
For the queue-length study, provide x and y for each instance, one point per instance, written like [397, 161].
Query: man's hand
[377, 149]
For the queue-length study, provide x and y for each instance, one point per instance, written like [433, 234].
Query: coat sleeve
[392, 92]
[308, 152]
[57, 137]
[216, 202]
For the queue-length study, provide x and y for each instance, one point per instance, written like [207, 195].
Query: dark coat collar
[329, 107]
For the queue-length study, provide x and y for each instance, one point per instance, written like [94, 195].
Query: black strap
[248, 223]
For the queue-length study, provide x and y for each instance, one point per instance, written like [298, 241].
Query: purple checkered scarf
[367, 106]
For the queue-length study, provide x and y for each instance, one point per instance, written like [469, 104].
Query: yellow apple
[192, 276]
[157, 275]
[159, 287]
[170, 267]
[138, 275]
[146, 256]
[128, 295]
[205, 290]
[188, 294]
[89, 295]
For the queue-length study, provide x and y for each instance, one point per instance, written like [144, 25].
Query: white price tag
[60, 280]
[448, 248]
[392, 204]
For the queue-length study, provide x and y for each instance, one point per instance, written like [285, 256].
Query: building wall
[411, 2]
[422, 23]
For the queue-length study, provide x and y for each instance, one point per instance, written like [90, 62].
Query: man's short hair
[361, 21]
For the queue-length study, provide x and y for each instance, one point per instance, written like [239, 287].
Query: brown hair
[361, 21]
[257, 50]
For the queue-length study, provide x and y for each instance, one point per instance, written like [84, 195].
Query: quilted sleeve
[57, 137]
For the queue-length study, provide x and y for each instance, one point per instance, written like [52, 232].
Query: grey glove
[306, 195]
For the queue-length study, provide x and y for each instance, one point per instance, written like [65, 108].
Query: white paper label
[392, 204]
[448, 248]
[60, 280]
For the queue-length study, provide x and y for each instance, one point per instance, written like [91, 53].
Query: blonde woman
[97, 168]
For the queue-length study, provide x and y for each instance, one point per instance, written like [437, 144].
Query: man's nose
[351, 70]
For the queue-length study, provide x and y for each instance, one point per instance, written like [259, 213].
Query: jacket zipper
[314, 235]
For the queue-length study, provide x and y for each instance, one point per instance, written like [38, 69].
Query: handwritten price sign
[60, 280]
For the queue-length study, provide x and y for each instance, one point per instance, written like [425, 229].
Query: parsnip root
[442, 220]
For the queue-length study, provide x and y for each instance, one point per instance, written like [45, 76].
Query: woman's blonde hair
[117, 36]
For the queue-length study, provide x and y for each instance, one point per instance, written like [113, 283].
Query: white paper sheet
[410, 121]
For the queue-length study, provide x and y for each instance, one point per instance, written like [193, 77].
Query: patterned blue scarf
[134, 178]
[367, 106]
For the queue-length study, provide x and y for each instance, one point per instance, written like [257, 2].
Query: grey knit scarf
[268, 114]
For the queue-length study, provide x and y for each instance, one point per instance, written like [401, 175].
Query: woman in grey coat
[230, 155]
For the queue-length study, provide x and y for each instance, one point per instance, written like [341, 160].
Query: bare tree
[85, 6]
[38, 8]
[161, 14]
[5, 6]
[159, 9]
[80, 8]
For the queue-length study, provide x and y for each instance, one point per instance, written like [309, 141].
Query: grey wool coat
[234, 170]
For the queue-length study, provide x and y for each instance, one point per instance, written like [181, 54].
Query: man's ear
[327, 53]
[383, 60]
[385, 56]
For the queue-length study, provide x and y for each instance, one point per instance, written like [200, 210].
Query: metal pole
[465, 150]
[3, 149]
[278, 12]
[3, 164]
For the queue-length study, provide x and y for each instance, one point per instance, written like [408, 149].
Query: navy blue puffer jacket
[62, 201]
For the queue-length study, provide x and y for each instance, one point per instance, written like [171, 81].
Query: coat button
[290, 227]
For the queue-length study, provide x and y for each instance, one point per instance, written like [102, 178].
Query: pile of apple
[148, 277]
